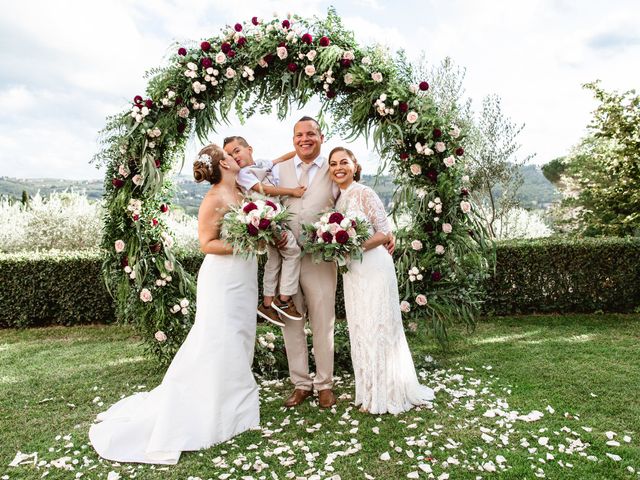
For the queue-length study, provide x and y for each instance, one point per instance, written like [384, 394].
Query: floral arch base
[262, 65]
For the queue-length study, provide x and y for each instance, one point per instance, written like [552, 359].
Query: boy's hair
[239, 139]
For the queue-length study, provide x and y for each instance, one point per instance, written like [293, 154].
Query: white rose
[132, 275]
[145, 295]
[455, 131]
[416, 245]
[220, 58]
[230, 73]
[185, 311]
[311, 55]
[348, 79]
[465, 206]
[123, 170]
[345, 223]
[183, 112]
[192, 66]
[440, 147]
[160, 336]
[415, 169]
[412, 117]
[270, 337]
[184, 303]
[465, 178]
[447, 228]
[419, 276]
[412, 278]
[144, 111]
[439, 250]
[137, 179]
[119, 246]
[310, 70]
[376, 77]
[438, 208]
[366, 60]
[405, 306]
[421, 300]
[414, 271]
[413, 89]
[450, 161]
[348, 55]
[127, 269]
[282, 52]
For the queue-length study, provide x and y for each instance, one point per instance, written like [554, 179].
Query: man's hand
[298, 191]
[283, 240]
[391, 244]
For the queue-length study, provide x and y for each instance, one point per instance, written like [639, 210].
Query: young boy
[262, 177]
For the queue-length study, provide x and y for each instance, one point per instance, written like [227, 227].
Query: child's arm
[284, 158]
[278, 191]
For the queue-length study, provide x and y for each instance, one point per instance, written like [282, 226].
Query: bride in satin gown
[208, 393]
[385, 375]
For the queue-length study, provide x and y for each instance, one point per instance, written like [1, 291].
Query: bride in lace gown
[385, 375]
[208, 394]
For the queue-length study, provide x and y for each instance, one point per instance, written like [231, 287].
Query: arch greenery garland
[258, 66]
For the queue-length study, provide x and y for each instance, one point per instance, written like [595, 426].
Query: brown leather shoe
[270, 315]
[326, 398]
[297, 397]
[286, 308]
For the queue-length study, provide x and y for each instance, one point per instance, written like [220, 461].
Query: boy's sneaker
[270, 315]
[288, 308]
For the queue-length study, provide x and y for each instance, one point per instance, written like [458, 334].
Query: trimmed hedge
[533, 276]
[565, 275]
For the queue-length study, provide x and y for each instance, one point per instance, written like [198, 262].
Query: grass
[581, 371]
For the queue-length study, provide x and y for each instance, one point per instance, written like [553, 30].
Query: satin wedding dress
[386, 380]
[208, 394]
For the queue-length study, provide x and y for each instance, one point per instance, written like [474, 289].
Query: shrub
[565, 275]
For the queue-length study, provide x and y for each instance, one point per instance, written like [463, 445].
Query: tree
[25, 198]
[603, 170]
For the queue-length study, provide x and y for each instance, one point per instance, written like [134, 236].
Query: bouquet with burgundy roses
[336, 237]
[249, 227]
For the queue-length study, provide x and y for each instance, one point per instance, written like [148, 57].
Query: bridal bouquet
[251, 226]
[336, 237]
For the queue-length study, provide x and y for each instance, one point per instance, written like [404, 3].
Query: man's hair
[310, 119]
[239, 139]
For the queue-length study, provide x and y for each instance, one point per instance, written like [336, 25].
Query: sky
[67, 65]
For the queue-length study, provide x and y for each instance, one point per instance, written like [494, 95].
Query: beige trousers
[318, 298]
[282, 268]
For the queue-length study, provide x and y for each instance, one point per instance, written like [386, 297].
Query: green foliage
[565, 275]
[553, 170]
[604, 169]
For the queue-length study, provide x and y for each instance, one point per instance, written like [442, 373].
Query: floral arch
[258, 66]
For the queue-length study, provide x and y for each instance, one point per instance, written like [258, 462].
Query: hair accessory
[204, 158]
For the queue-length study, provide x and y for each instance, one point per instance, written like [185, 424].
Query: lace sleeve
[374, 210]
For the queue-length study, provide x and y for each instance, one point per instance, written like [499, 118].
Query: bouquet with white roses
[249, 227]
[336, 237]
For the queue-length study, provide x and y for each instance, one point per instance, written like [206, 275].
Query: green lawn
[581, 372]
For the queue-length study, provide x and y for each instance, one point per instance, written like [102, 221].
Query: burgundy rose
[156, 247]
[182, 51]
[464, 192]
[117, 182]
[158, 163]
[428, 228]
[353, 223]
[306, 38]
[432, 175]
[424, 86]
[136, 218]
[148, 102]
[327, 237]
[437, 133]
[181, 127]
[403, 107]
[286, 24]
[345, 62]
[237, 27]
[404, 156]
[178, 100]
[330, 93]
[264, 223]
[254, 20]
[253, 231]
[324, 42]
[205, 46]
[249, 207]
[282, 44]
[206, 62]
[124, 262]
[137, 99]
[292, 67]
[436, 276]
[225, 47]
[271, 204]
[164, 208]
[336, 217]
[268, 58]
[342, 237]
[154, 222]
[459, 151]
[241, 41]
[231, 54]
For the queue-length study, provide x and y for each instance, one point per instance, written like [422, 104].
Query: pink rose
[412, 117]
[439, 250]
[376, 77]
[405, 306]
[450, 161]
[447, 228]
[160, 336]
[119, 246]
[465, 206]
[415, 169]
[421, 300]
[440, 147]
[145, 295]
[416, 245]
[282, 52]
[310, 70]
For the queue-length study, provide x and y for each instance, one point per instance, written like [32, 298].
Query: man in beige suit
[317, 280]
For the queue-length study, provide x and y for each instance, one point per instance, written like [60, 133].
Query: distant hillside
[536, 192]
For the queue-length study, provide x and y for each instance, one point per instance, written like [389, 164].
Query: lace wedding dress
[385, 375]
[208, 394]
